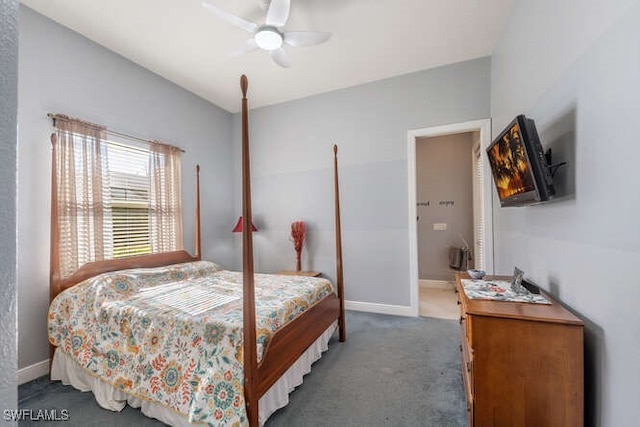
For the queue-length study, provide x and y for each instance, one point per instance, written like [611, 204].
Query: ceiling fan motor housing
[268, 38]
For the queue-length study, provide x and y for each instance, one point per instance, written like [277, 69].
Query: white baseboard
[32, 372]
[438, 284]
[372, 307]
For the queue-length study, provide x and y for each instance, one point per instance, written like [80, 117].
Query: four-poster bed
[268, 341]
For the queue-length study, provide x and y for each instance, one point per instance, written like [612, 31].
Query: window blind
[129, 191]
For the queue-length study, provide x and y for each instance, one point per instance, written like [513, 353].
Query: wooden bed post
[249, 314]
[198, 254]
[339, 279]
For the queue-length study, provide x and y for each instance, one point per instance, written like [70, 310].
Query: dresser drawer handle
[461, 319]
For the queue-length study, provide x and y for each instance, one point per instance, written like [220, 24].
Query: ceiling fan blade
[248, 46]
[305, 38]
[280, 57]
[278, 13]
[233, 19]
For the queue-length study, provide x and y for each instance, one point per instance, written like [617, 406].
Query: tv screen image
[510, 166]
[520, 170]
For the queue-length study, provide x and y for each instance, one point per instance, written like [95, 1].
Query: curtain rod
[55, 117]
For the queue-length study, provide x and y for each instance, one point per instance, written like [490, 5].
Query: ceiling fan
[269, 36]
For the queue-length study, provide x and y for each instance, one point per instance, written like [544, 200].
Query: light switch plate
[440, 226]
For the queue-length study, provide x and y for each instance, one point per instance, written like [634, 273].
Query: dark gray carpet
[392, 371]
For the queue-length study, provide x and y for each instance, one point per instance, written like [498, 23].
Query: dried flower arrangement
[298, 234]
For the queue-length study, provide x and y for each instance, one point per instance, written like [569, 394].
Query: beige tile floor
[440, 302]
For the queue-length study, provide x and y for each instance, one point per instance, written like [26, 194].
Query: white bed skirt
[65, 369]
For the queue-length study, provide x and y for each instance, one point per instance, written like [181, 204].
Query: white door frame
[484, 127]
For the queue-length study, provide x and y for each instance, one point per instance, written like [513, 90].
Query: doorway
[481, 241]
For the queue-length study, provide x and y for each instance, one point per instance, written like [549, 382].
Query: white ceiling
[372, 40]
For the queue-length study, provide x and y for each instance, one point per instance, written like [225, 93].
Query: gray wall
[443, 174]
[575, 69]
[8, 139]
[61, 71]
[292, 172]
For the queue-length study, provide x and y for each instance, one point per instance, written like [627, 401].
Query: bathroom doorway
[449, 208]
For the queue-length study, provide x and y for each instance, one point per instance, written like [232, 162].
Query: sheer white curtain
[83, 201]
[113, 199]
[165, 212]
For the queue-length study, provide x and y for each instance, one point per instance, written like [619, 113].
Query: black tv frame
[537, 163]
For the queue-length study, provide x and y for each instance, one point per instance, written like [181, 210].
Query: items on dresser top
[476, 274]
[500, 290]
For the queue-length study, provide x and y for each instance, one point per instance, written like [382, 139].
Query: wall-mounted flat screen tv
[520, 169]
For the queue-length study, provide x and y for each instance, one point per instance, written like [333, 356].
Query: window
[129, 191]
[115, 198]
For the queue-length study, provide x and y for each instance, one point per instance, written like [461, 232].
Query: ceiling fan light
[268, 39]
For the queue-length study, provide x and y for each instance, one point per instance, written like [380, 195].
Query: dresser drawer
[467, 376]
[465, 319]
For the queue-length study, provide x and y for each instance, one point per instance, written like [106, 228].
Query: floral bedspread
[173, 335]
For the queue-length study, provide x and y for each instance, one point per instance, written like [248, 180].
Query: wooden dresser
[522, 363]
